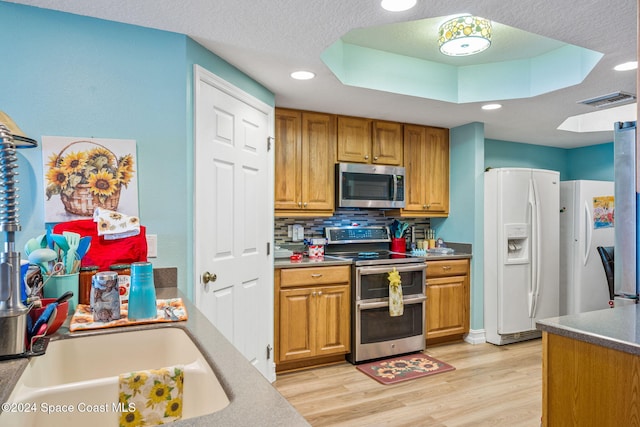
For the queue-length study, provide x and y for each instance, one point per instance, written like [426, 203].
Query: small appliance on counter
[13, 313]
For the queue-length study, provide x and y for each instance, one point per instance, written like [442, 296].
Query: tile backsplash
[314, 227]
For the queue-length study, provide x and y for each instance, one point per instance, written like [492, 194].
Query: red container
[61, 314]
[399, 245]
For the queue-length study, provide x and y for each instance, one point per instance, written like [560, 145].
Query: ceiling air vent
[610, 99]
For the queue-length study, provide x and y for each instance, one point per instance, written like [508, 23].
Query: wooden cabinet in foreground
[448, 300]
[312, 316]
[304, 163]
[586, 384]
[426, 160]
[362, 140]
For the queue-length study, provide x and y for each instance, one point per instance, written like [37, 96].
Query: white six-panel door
[234, 217]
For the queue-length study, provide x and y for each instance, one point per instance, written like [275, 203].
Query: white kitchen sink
[81, 375]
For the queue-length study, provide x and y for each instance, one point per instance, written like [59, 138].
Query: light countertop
[253, 400]
[616, 328]
[330, 260]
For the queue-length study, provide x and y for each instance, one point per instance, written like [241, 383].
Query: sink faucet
[13, 313]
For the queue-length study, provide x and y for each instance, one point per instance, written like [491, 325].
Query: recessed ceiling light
[302, 75]
[491, 106]
[631, 65]
[397, 5]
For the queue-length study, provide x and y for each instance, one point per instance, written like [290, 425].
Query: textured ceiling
[269, 39]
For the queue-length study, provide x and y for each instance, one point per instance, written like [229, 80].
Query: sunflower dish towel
[151, 397]
[396, 307]
[115, 225]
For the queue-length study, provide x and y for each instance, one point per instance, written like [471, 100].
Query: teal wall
[502, 154]
[594, 162]
[466, 221]
[69, 75]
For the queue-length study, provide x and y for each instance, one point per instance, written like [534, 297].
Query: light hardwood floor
[491, 386]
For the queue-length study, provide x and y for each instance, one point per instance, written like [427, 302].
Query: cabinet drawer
[314, 276]
[453, 267]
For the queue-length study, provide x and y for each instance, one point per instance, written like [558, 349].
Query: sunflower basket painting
[87, 175]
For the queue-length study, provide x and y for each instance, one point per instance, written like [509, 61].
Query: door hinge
[268, 248]
[269, 141]
[269, 349]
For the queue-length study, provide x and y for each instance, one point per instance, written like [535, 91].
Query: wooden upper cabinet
[305, 152]
[354, 139]
[387, 143]
[362, 140]
[426, 159]
[318, 160]
[288, 152]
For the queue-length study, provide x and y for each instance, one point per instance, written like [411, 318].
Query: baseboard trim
[475, 336]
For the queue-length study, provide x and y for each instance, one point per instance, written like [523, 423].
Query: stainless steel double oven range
[374, 333]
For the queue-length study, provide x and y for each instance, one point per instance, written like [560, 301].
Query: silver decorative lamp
[13, 314]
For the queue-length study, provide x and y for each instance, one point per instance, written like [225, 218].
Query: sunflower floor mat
[403, 368]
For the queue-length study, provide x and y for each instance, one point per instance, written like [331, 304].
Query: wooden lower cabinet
[448, 300]
[585, 384]
[312, 316]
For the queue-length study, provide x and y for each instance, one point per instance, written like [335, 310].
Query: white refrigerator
[586, 222]
[521, 252]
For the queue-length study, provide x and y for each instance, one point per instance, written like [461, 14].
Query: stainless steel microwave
[369, 186]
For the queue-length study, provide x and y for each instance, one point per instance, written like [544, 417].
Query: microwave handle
[395, 188]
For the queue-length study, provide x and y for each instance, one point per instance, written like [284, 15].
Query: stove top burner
[380, 257]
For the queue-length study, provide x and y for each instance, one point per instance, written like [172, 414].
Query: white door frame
[202, 75]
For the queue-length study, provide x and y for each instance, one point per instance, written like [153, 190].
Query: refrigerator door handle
[588, 233]
[536, 248]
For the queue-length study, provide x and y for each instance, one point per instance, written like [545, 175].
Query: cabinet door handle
[366, 157]
[446, 267]
[319, 293]
[299, 203]
[313, 294]
[375, 158]
[304, 204]
[316, 275]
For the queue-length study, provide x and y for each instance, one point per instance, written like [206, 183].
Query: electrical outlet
[152, 245]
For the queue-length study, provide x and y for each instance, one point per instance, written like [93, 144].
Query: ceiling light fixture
[464, 35]
[302, 75]
[397, 5]
[631, 65]
[491, 106]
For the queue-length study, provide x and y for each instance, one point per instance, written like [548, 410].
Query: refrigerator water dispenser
[517, 243]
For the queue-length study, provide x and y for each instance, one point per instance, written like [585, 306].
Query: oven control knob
[393, 346]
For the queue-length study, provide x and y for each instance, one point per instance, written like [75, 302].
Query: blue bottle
[142, 292]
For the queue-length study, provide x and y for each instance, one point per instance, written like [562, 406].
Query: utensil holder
[398, 244]
[59, 284]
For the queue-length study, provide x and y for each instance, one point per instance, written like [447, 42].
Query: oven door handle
[400, 268]
[371, 305]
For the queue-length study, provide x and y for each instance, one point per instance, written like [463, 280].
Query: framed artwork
[82, 174]
[603, 212]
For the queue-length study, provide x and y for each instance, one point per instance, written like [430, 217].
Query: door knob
[208, 277]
